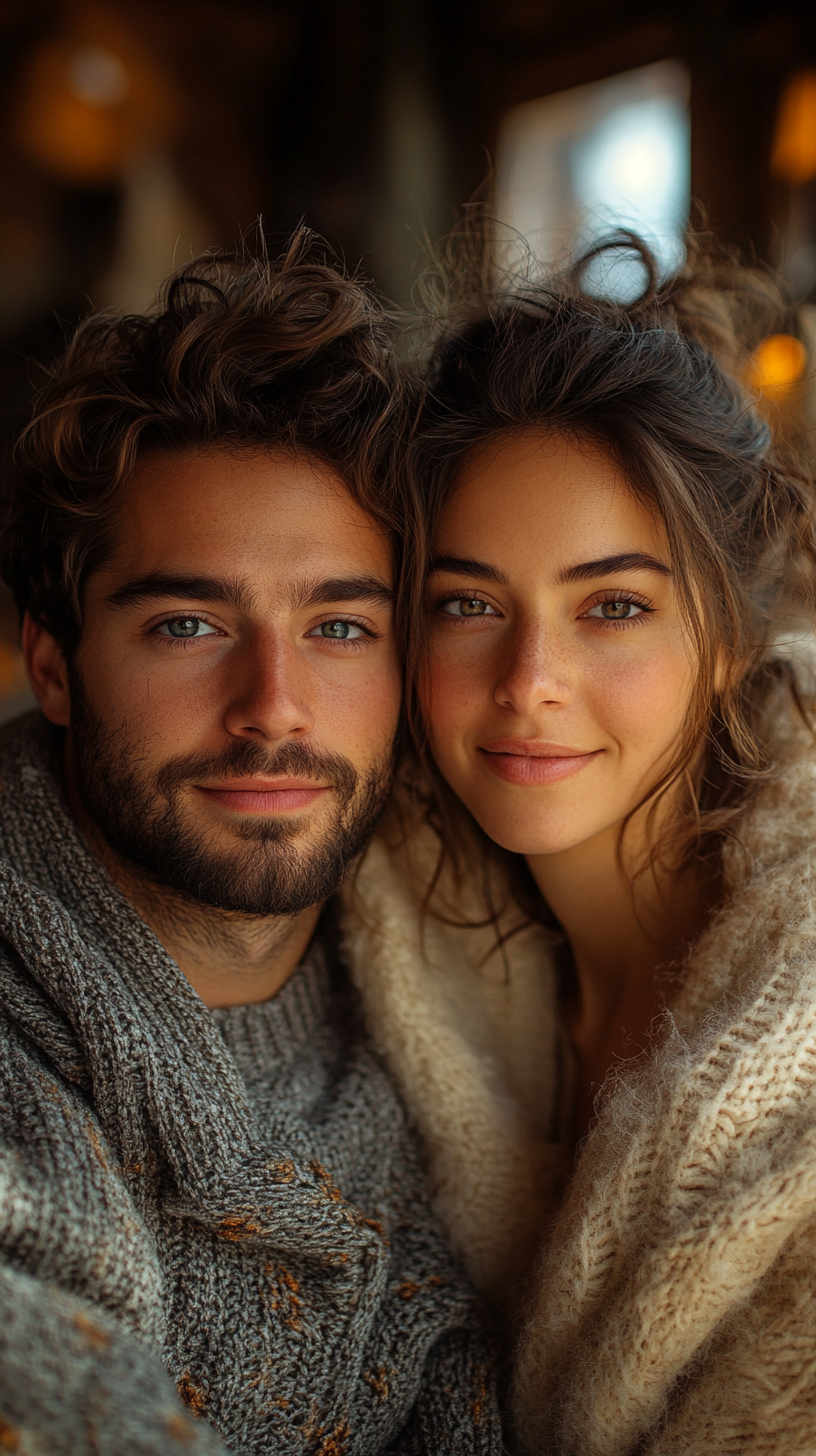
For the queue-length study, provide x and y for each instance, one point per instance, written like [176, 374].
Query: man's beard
[267, 872]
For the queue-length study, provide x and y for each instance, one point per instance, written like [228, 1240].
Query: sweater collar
[276, 1031]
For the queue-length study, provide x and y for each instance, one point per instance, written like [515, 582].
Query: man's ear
[47, 671]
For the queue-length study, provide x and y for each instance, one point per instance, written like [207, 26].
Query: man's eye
[186, 627]
[468, 607]
[338, 631]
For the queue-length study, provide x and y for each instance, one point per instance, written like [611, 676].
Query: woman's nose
[530, 674]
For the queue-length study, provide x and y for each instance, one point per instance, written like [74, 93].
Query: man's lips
[263, 796]
[532, 761]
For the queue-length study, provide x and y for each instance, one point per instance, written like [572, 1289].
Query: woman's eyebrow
[466, 566]
[627, 561]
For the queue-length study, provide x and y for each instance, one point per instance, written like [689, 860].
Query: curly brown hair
[659, 383]
[239, 352]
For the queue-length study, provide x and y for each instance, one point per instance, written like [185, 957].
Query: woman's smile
[529, 761]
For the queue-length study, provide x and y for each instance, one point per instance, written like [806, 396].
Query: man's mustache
[248, 759]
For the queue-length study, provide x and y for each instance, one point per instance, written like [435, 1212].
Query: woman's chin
[532, 840]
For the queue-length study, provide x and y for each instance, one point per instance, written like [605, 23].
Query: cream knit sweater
[672, 1305]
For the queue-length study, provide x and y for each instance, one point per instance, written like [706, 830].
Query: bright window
[573, 166]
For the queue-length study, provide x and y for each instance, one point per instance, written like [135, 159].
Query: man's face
[235, 695]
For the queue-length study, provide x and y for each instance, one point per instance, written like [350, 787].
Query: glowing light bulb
[777, 364]
[794, 150]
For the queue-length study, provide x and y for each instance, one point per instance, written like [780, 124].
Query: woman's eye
[338, 631]
[468, 607]
[615, 611]
[186, 627]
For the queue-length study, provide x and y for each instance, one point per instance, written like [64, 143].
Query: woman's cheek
[450, 691]
[450, 705]
[642, 701]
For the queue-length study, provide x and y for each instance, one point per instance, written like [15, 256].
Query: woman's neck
[621, 931]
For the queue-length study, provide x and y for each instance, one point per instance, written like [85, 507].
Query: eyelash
[608, 595]
[619, 596]
[463, 596]
[173, 643]
[350, 644]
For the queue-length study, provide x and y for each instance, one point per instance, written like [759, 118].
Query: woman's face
[559, 672]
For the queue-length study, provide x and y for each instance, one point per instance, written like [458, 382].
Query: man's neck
[229, 959]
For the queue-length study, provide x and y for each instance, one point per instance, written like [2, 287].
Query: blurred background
[136, 134]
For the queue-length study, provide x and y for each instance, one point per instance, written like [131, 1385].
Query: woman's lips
[258, 796]
[520, 762]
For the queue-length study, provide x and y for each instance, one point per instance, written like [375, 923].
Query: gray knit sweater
[225, 1202]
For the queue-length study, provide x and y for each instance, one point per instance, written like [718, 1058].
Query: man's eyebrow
[230, 591]
[233, 592]
[319, 591]
[606, 565]
[466, 566]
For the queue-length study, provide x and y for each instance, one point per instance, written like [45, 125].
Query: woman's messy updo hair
[659, 384]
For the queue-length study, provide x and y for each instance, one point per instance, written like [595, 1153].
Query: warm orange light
[12, 671]
[91, 100]
[777, 364]
[793, 158]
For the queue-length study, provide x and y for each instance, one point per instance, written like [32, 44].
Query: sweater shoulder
[467, 1024]
[67, 1214]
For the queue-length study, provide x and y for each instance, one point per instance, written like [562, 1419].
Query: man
[207, 1179]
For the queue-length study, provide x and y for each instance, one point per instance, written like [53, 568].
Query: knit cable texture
[675, 1308]
[672, 1311]
[186, 1201]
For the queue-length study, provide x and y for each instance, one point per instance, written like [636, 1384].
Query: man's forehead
[229, 478]
[261, 521]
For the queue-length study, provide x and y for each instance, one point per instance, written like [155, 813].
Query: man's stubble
[273, 869]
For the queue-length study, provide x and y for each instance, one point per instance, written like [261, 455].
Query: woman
[622, 569]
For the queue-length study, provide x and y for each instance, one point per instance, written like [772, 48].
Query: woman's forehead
[548, 498]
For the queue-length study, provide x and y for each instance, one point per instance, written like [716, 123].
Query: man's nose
[269, 692]
[532, 673]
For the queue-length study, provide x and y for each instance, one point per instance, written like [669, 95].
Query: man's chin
[223, 835]
[238, 885]
[254, 865]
